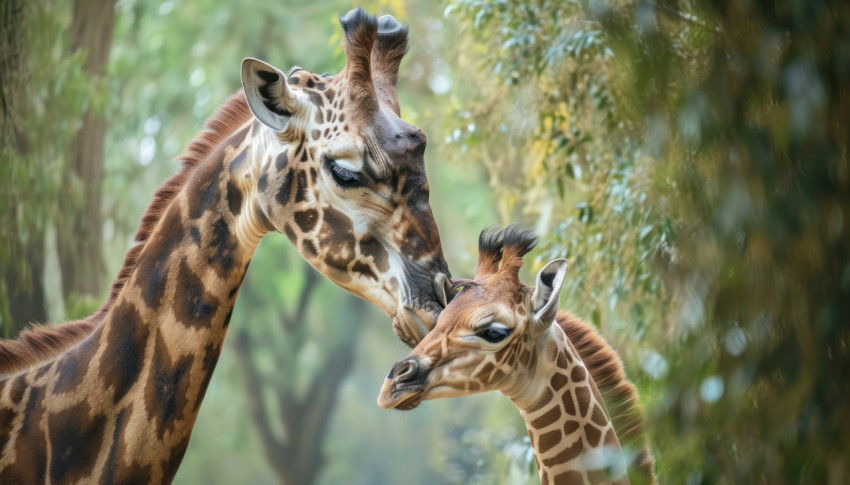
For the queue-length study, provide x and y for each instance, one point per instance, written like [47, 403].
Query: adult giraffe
[498, 334]
[327, 161]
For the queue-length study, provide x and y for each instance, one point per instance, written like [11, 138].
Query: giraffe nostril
[405, 370]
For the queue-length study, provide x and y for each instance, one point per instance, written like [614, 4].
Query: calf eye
[494, 334]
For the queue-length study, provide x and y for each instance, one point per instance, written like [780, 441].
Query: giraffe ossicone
[325, 160]
[498, 334]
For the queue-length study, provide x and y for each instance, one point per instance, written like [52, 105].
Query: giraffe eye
[494, 334]
[343, 176]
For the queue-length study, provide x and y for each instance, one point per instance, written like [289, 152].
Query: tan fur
[619, 394]
[42, 342]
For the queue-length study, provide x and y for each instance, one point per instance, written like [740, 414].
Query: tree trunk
[80, 232]
[297, 456]
[22, 257]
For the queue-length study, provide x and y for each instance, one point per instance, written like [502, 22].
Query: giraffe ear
[547, 293]
[269, 96]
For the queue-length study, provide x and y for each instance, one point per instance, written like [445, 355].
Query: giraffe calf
[499, 334]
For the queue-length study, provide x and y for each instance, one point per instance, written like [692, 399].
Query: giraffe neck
[120, 406]
[573, 438]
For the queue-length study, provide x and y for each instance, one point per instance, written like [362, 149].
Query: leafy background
[689, 158]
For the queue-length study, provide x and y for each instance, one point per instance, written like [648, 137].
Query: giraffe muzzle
[405, 384]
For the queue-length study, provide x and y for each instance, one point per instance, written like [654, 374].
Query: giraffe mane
[619, 394]
[41, 342]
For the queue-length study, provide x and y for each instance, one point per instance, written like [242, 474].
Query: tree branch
[254, 396]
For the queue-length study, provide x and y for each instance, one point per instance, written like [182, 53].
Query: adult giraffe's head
[343, 176]
[489, 336]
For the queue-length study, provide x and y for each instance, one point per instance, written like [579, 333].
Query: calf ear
[547, 293]
[268, 94]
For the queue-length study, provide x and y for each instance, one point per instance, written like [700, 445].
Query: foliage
[710, 215]
[47, 111]
[689, 159]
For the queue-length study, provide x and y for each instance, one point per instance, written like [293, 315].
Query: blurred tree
[304, 411]
[23, 294]
[44, 93]
[691, 158]
[80, 230]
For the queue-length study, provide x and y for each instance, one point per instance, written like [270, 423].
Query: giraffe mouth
[408, 397]
[416, 317]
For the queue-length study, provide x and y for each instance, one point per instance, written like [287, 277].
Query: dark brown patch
[237, 161]
[308, 249]
[548, 440]
[547, 419]
[329, 94]
[598, 416]
[211, 355]
[306, 219]
[282, 160]
[72, 367]
[75, 440]
[564, 360]
[31, 460]
[569, 404]
[221, 250]
[112, 459]
[567, 454]
[282, 196]
[578, 374]
[234, 198]
[320, 118]
[485, 372]
[167, 397]
[151, 271]
[592, 434]
[583, 400]
[301, 187]
[124, 356]
[559, 380]
[611, 438]
[290, 233]
[193, 305]
[7, 416]
[337, 237]
[571, 427]
[369, 246]
[364, 269]
[205, 189]
[568, 478]
[16, 389]
[315, 134]
[173, 459]
[195, 234]
[316, 98]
